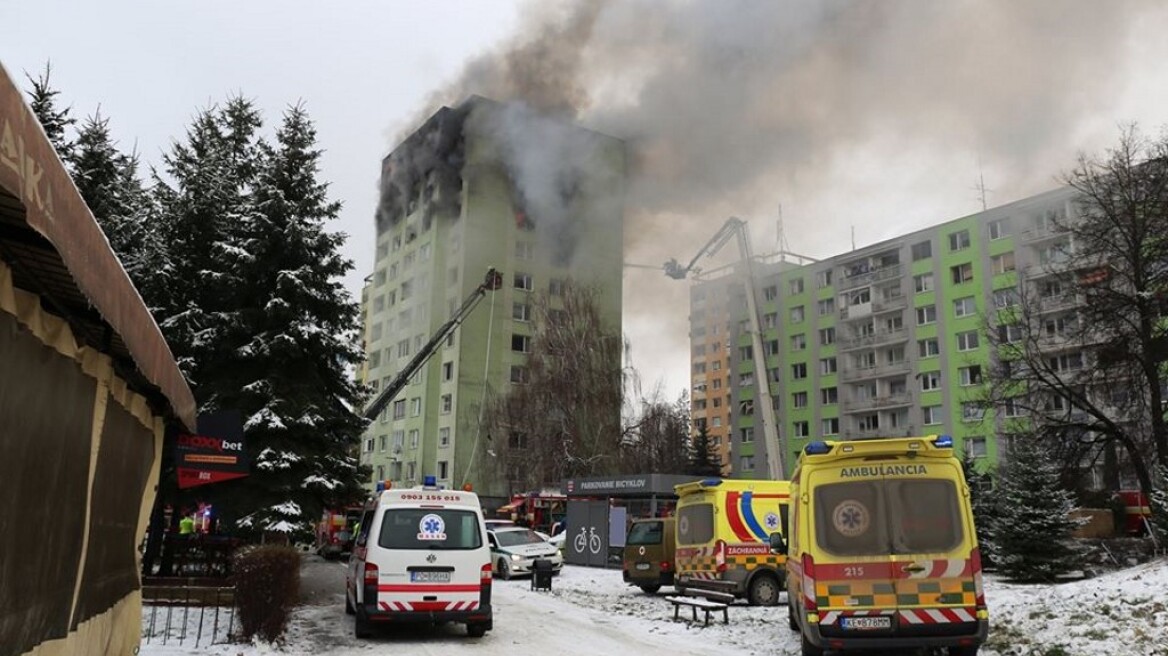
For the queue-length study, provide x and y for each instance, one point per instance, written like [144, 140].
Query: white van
[421, 555]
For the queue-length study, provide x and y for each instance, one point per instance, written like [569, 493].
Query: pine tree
[108, 181]
[982, 500]
[703, 460]
[295, 341]
[1159, 504]
[56, 123]
[1032, 531]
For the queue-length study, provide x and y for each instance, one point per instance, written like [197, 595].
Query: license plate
[644, 565]
[430, 577]
[866, 623]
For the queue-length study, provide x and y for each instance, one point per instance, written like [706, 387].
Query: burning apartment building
[480, 185]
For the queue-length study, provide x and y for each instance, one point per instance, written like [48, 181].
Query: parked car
[649, 554]
[515, 549]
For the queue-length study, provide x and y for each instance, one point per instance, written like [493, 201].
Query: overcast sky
[865, 114]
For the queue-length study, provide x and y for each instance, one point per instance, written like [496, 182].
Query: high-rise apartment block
[477, 186]
[886, 340]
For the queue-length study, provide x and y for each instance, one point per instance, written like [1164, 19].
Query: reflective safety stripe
[937, 615]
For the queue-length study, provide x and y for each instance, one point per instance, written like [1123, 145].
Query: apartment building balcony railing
[870, 433]
[895, 303]
[878, 338]
[853, 372]
[869, 277]
[877, 402]
[1039, 233]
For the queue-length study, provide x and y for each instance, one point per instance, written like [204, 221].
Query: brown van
[648, 558]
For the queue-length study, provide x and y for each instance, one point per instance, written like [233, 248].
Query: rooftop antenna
[781, 237]
[853, 237]
[981, 188]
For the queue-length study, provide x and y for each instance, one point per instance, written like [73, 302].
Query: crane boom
[493, 281]
[735, 227]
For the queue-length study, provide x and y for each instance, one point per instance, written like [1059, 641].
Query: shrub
[267, 587]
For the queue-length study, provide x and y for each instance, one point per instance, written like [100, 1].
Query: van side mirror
[778, 544]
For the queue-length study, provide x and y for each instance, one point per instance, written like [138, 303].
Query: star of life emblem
[772, 521]
[432, 527]
[851, 518]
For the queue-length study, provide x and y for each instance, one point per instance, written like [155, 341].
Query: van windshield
[646, 533]
[888, 516]
[430, 528]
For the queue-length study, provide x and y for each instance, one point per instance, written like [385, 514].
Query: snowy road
[592, 612]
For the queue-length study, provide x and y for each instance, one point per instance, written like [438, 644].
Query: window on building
[829, 426]
[972, 411]
[927, 348]
[771, 347]
[382, 442]
[868, 422]
[521, 343]
[556, 287]
[926, 314]
[746, 463]
[797, 314]
[825, 306]
[967, 341]
[523, 281]
[447, 371]
[415, 406]
[399, 439]
[1004, 298]
[524, 250]
[959, 240]
[964, 307]
[1010, 333]
[930, 380]
[894, 355]
[414, 434]
[975, 447]
[521, 312]
[829, 395]
[746, 435]
[961, 273]
[795, 285]
[931, 415]
[970, 375]
[802, 429]
[770, 293]
[1013, 407]
[745, 380]
[403, 348]
[799, 370]
[823, 279]
[1003, 263]
[519, 374]
[745, 352]
[999, 229]
[446, 404]
[799, 399]
[828, 366]
[1066, 362]
[827, 336]
[798, 342]
[443, 470]
[922, 250]
[444, 436]
[923, 282]
[399, 409]
[716, 422]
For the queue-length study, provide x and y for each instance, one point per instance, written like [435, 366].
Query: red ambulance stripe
[734, 517]
[431, 587]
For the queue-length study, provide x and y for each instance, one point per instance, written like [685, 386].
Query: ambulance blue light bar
[944, 442]
[711, 482]
[429, 481]
[816, 448]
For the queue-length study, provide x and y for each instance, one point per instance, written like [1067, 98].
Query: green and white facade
[886, 340]
[430, 258]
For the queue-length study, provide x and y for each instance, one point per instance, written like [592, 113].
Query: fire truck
[540, 511]
[336, 530]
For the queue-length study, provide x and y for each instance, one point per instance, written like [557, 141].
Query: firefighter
[186, 525]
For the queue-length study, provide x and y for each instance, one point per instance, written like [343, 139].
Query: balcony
[852, 372]
[879, 338]
[895, 303]
[878, 402]
[869, 277]
[858, 311]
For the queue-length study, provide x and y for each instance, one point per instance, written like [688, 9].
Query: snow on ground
[594, 612]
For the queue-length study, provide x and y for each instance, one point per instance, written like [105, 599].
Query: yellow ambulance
[882, 548]
[723, 529]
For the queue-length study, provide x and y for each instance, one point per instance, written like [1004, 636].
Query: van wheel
[476, 629]
[810, 649]
[764, 590]
[504, 569]
[349, 610]
[651, 589]
[361, 626]
[791, 621]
